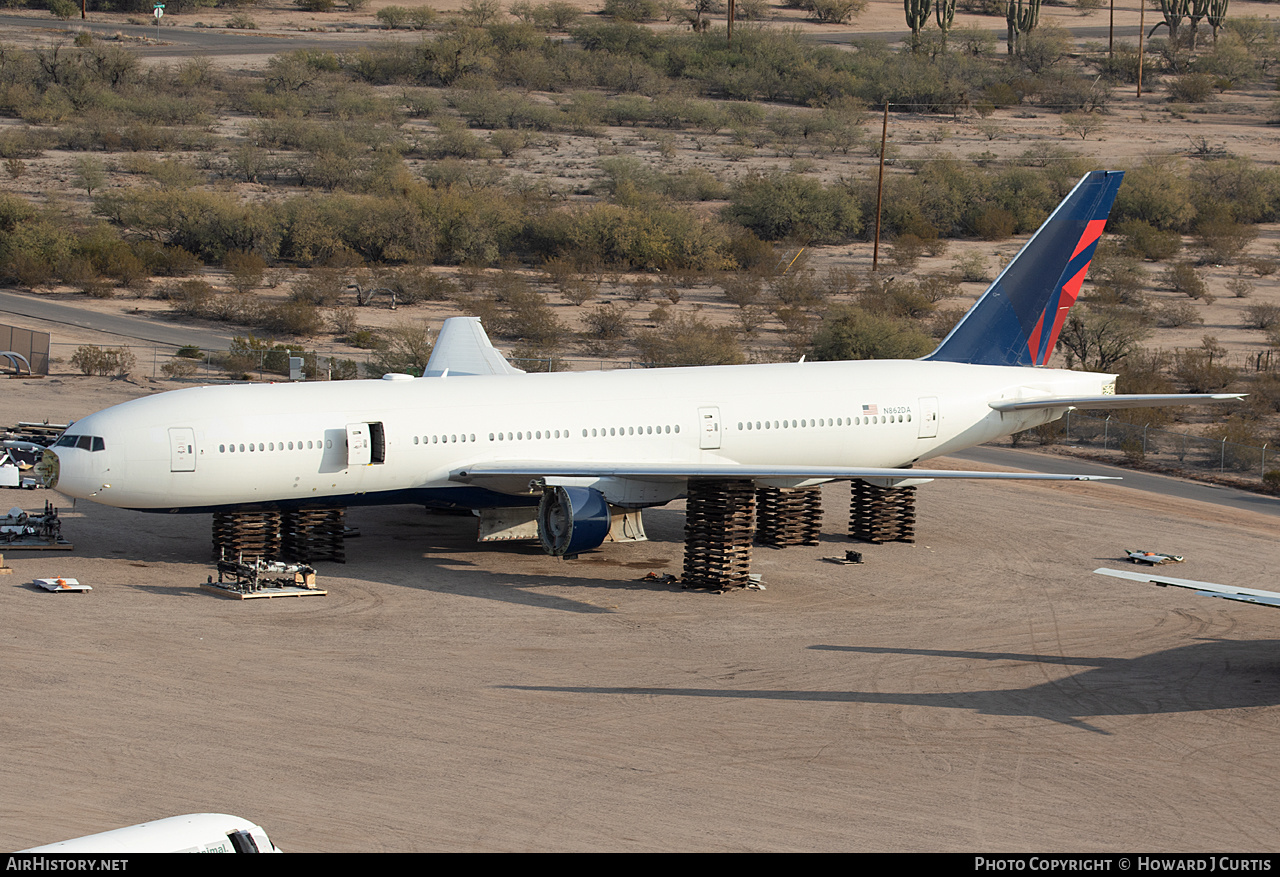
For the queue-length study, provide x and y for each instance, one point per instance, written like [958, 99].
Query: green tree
[849, 332]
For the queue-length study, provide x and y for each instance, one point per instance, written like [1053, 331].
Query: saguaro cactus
[1021, 16]
[945, 12]
[1199, 9]
[1173, 11]
[1217, 16]
[917, 17]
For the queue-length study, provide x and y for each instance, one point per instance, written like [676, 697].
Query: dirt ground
[979, 690]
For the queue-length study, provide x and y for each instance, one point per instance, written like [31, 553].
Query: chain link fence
[1159, 447]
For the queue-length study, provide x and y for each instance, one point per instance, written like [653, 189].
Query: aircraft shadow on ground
[1205, 675]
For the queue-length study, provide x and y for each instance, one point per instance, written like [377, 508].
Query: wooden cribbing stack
[301, 535]
[309, 535]
[788, 517]
[882, 514]
[718, 530]
[246, 534]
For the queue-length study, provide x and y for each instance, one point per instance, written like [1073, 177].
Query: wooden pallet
[882, 514]
[267, 593]
[309, 535]
[788, 517]
[719, 529]
[246, 535]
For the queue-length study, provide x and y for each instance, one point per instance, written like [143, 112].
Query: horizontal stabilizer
[1137, 400]
[1206, 589]
[685, 471]
[463, 348]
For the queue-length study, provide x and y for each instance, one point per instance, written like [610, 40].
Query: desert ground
[978, 690]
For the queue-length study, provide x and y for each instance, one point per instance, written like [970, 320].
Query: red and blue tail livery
[1018, 318]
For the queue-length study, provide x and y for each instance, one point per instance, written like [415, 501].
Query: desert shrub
[292, 318]
[1158, 192]
[1190, 88]
[1176, 315]
[1242, 440]
[92, 360]
[1044, 47]
[1097, 339]
[608, 322]
[190, 298]
[322, 287]
[406, 349]
[972, 268]
[778, 206]
[1201, 369]
[1143, 240]
[246, 269]
[1183, 278]
[905, 250]
[631, 10]
[176, 369]
[413, 285]
[1223, 240]
[690, 340]
[647, 238]
[1262, 316]
[854, 333]
[993, 224]
[250, 353]
[833, 11]
[393, 16]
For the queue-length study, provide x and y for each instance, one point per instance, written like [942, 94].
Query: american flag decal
[869, 410]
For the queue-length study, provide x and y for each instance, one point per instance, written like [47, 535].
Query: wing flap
[1136, 400]
[685, 471]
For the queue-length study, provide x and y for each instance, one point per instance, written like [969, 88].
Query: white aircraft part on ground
[1205, 589]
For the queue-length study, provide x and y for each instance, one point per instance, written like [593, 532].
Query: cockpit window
[84, 442]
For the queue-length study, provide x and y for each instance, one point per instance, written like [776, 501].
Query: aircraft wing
[685, 471]
[1205, 589]
[463, 348]
[1136, 400]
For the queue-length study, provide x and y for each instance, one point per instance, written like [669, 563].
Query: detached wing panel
[1206, 589]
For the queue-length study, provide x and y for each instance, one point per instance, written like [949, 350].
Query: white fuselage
[235, 446]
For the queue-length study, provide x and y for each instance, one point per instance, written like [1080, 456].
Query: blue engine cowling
[572, 520]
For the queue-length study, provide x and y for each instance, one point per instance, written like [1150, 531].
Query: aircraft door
[359, 448]
[708, 428]
[182, 449]
[928, 417]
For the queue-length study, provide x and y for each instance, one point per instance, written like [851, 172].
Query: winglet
[1018, 318]
[463, 348]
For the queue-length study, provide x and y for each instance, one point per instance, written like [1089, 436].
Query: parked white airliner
[476, 433]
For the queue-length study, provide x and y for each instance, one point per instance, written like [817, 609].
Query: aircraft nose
[48, 468]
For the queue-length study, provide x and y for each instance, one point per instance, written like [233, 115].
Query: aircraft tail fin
[1018, 318]
[463, 348]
